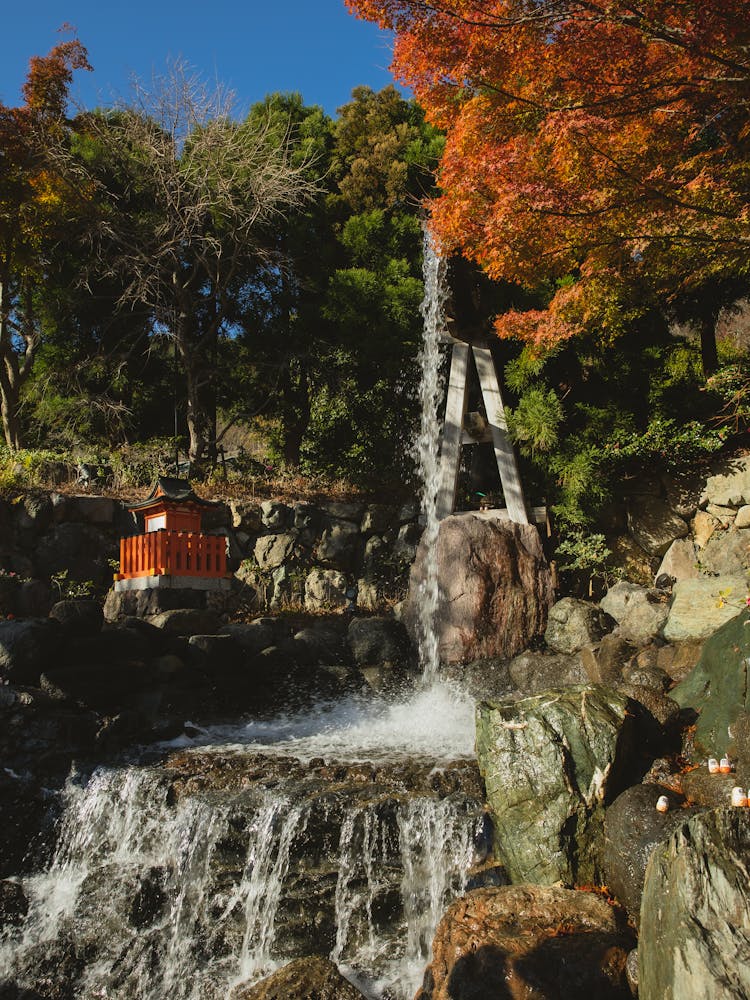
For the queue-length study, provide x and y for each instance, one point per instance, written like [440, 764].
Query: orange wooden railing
[172, 553]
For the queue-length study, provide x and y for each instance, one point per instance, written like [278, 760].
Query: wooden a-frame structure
[464, 358]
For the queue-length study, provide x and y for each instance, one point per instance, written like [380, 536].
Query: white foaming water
[435, 722]
[428, 446]
[156, 892]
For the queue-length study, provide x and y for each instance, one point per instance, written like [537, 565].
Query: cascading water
[428, 445]
[345, 830]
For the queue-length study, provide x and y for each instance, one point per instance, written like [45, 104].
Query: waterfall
[162, 891]
[428, 445]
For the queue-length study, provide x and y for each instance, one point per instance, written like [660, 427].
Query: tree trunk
[709, 353]
[295, 410]
[9, 379]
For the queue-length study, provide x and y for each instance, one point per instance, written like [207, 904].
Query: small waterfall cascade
[431, 391]
[154, 892]
[345, 830]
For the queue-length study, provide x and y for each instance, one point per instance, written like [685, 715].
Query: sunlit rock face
[695, 912]
[550, 764]
[528, 942]
[494, 588]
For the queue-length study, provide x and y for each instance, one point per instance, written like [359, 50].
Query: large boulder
[27, 648]
[730, 487]
[530, 942]
[188, 621]
[632, 829]
[533, 672]
[573, 624]
[695, 914]
[727, 553]
[654, 525]
[495, 588]
[78, 617]
[550, 764]
[718, 688]
[312, 978]
[698, 610]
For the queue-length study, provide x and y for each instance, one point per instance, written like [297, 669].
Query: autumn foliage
[599, 146]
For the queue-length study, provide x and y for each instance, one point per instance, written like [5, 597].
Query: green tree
[210, 188]
[34, 210]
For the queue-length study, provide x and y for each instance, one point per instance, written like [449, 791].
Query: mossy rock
[717, 687]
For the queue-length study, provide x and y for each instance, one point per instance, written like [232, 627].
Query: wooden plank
[450, 453]
[504, 454]
[537, 515]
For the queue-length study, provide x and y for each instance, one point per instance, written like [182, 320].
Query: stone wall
[327, 555]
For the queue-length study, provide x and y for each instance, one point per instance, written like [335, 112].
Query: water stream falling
[428, 443]
[345, 830]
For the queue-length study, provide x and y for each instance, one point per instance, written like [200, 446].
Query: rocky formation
[549, 764]
[495, 588]
[312, 978]
[633, 827]
[717, 690]
[525, 942]
[695, 915]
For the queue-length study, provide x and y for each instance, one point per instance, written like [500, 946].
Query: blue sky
[312, 46]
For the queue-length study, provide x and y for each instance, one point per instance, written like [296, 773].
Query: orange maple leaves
[598, 139]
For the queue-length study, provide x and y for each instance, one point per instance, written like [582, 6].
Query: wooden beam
[504, 454]
[455, 407]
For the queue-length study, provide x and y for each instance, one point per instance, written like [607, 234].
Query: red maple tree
[600, 145]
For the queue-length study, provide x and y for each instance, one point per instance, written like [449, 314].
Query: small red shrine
[173, 551]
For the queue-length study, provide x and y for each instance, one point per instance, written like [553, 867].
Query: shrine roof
[176, 490]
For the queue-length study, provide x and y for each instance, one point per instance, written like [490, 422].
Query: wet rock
[632, 829]
[528, 941]
[631, 971]
[573, 624]
[378, 640]
[13, 904]
[550, 763]
[531, 673]
[326, 645]
[495, 588]
[312, 978]
[149, 898]
[718, 687]
[78, 617]
[695, 931]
